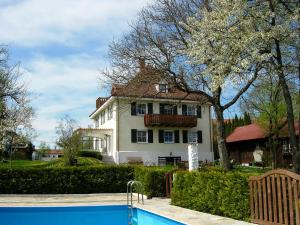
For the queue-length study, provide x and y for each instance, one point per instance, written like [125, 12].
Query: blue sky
[62, 47]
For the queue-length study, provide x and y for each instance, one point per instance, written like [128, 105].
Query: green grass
[251, 169]
[22, 164]
[82, 161]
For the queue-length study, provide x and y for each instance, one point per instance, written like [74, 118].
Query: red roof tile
[143, 85]
[254, 131]
[248, 132]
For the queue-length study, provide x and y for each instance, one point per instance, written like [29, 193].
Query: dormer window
[162, 88]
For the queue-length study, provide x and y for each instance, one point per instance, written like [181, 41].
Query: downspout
[210, 134]
[118, 130]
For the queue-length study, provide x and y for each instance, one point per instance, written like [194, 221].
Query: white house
[47, 155]
[148, 120]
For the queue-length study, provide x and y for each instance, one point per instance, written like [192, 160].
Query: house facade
[47, 155]
[151, 122]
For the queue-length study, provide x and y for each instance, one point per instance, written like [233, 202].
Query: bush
[72, 180]
[92, 154]
[153, 180]
[215, 192]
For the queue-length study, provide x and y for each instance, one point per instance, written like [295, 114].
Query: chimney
[100, 101]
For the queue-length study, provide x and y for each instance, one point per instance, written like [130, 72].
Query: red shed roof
[248, 132]
[254, 131]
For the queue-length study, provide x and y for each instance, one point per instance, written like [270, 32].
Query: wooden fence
[169, 182]
[274, 198]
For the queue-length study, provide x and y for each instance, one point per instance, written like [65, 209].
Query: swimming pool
[80, 215]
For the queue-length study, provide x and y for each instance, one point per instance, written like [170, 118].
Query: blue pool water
[79, 215]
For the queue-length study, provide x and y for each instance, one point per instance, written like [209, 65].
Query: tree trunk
[290, 111]
[287, 97]
[221, 138]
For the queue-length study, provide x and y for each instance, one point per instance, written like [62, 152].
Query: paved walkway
[156, 205]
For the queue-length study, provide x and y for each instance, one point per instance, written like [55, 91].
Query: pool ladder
[139, 188]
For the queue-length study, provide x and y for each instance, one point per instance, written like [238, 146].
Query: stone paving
[159, 206]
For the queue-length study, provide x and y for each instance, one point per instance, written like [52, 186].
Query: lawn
[251, 169]
[82, 161]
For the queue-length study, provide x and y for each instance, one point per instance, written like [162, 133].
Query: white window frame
[137, 136]
[110, 112]
[173, 137]
[192, 137]
[191, 110]
[97, 122]
[102, 118]
[137, 109]
[286, 147]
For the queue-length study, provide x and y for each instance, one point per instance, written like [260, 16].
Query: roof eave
[93, 114]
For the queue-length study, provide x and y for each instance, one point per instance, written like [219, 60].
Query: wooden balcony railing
[170, 120]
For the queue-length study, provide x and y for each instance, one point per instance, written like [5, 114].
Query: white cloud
[36, 22]
[62, 86]
[68, 82]
[73, 73]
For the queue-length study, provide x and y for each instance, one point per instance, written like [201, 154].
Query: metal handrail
[130, 185]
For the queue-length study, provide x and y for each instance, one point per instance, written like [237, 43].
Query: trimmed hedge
[82, 180]
[72, 180]
[92, 154]
[153, 180]
[215, 192]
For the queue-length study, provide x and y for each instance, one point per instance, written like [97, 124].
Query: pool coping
[159, 206]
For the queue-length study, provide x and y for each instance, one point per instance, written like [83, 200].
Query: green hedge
[87, 179]
[153, 179]
[73, 180]
[215, 192]
[92, 154]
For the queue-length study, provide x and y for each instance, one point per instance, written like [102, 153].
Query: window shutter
[161, 136]
[199, 113]
[184, 110]
[175, 109]
[133, 135]
[150, 136]
[150, 108]
[184, 136]
[199, 136]
[133, 108]
[176, 134]
[161, 109]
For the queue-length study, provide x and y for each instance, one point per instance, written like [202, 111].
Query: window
[102, 118]
[97, 122]
[168, 110]
[168, 137]
[110, 112]
[162, 88]
[141, 136]
[192, 137]
[191, 110]
[286, 147]
[141, 109]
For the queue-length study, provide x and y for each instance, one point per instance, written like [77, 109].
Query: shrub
[71, 180]
[215, 192]
[153, 180]
[92, 154]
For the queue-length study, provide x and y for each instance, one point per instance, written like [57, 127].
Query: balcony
[169, 120]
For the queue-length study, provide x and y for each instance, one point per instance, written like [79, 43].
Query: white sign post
[193, 157]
